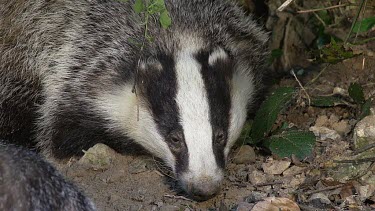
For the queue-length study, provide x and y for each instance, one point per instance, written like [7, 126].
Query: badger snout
[203, 187]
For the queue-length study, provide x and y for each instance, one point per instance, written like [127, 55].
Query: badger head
[189, 110]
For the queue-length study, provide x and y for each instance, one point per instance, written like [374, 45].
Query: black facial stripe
[159, 88]
[216, 78]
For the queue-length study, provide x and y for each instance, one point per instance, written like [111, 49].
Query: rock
[366, 191]
[324, 125]
[297, 181]
[245, 155]
[276, 204]
[255, 197]
[138, 165]
[340, 91]
[98, 157]
[321, 121]
[324, 133]
[169, 208]
[343, 172]
[342, 127]
[257, 177]
[275, 166]
[294, 170]
[369, 177]
[320, 200]
[244, 206]
[364, 135]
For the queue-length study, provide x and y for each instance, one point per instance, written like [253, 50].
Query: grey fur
[57, 58]
[27, 182]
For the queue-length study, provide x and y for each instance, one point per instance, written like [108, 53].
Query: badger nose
[202, 195]
[204, 189]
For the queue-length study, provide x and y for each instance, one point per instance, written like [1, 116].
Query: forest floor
[332, 178]
[126, 182]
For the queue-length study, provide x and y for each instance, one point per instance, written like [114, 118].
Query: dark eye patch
[217, 78]
[157, 84]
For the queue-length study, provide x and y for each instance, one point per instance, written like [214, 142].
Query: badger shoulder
[28, 182]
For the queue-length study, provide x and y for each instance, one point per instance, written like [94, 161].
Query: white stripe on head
[120, 108]
[241, 93]
[195, 118]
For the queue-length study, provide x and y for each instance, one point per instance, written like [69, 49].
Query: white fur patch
[121, 109]
[218, 53]
[195, 119]
[241, 93]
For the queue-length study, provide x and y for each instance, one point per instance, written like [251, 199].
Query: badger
[28, 182]
[72, 74]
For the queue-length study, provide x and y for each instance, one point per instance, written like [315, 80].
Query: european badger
[27, 182]
[67, 70]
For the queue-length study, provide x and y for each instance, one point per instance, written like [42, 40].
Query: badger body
[27, 182]
[67, 70]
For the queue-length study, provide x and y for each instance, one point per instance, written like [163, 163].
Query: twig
[269, 183]
[360, 23]
[355, 21]
[320, 19]
[320, 9]
[284, 5]
[364, 41]
[319, 74]
[177, 197]
[323, 189]
[363, 160]
[367, 147]
[303, 88]
[363, 62]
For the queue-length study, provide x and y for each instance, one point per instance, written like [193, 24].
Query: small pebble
[245, 155]
[275, 166]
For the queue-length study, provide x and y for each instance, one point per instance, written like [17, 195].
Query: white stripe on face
[121, 109]
[195, 120]
[241, 94]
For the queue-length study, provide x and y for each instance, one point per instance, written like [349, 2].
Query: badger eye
[220, 137]
[176, 141]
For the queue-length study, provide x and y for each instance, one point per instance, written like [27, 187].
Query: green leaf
[364, 25]
[156, 6]
[365, 109]
[268, 112]
[164, 19]
[335, 52]
[292, 142]
[326, 101]
[138, 6]
[323, 14]
[245, 134]
[275, 54]
[356, 93]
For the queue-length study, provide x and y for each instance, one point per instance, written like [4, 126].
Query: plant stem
[355, 21]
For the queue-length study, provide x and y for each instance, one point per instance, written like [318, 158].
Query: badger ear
[148, 69]
[221, 60]
[218, 54]
[150, 64]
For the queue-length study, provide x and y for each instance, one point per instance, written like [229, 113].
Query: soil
[142, 183]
